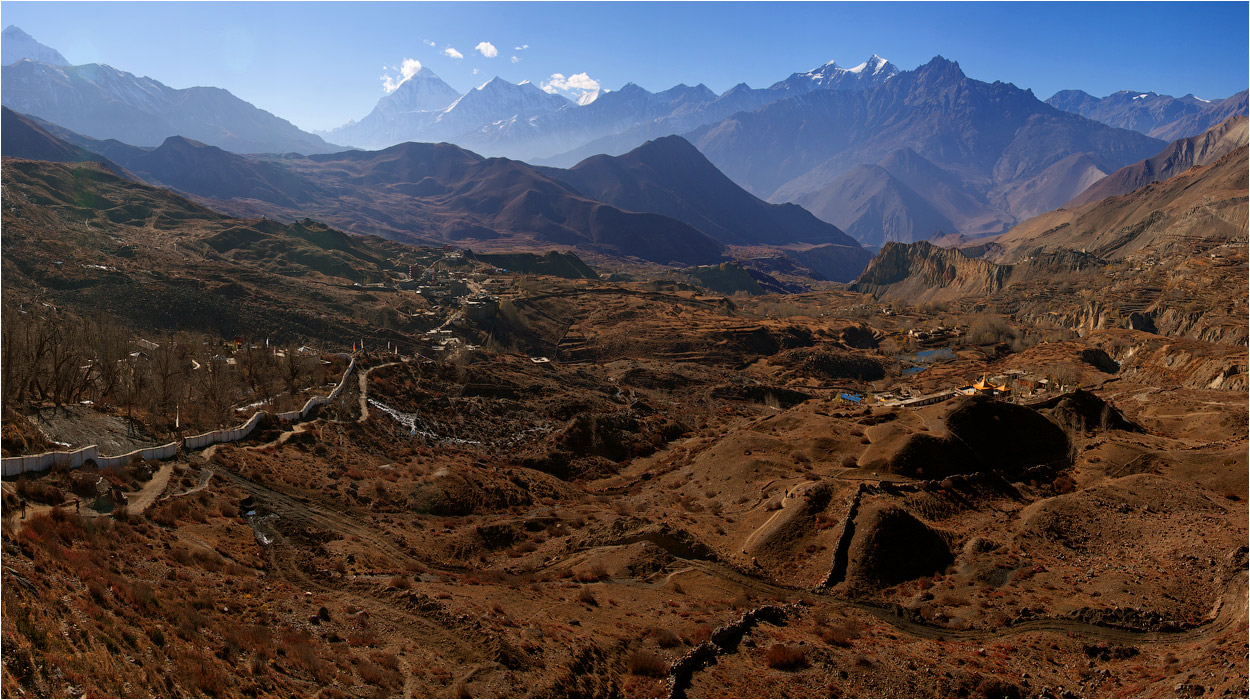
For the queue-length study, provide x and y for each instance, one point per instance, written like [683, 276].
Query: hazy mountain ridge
[1175, 220]
[16, 44]
[25, 138]
[670, 176]
[1160, 116]
[103, 102]
[666, 204]
[613, 122]
[999, 142]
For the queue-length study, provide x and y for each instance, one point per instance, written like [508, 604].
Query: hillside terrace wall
[73, 459]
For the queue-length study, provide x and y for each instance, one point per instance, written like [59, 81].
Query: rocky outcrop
[920, 272]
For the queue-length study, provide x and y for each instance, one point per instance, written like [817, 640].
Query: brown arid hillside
[79, 237]
[1205, 204]
[606, 487]
[1169, 258]
[1178, 157]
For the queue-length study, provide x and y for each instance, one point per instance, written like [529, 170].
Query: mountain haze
[16, 44]
[669, 176]
[415, 192]
[25, 138]
[1160, 116]
[1005, 149]
[102, 102]
[399, 115]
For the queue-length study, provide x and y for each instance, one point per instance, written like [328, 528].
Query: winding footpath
[363, 376]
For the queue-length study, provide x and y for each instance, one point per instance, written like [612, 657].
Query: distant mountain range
[880, 153]
[663, 203]
[999, 153]
[1161, 116]
[106, 103]
[501, 119]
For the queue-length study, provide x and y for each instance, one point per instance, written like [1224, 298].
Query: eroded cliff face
[1169, 258]
[922, 272]
[1084, 316]
[1179, 362]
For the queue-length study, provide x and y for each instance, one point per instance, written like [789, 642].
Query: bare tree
[169, 362]
[294, 368]
[216, 384]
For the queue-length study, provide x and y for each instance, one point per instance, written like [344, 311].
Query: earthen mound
[1007, 437]
[984, 436]
[925, 456]
[1083, 411]
[891, 546]
[831, 363]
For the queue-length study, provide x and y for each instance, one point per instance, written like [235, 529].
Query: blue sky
[319, 64]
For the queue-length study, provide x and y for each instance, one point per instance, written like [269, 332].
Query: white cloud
[474, 71]
[407, 69]
[522, 47]
[427, 42]
[452, 53]
[515, 59]
[487, 49]
[575, 86]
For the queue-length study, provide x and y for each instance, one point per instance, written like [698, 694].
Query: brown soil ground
[671, 508]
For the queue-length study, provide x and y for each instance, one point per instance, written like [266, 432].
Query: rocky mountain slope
[93, 244]
[1007, 148]
[1178, 157]
[1204, 204]
[922, 272]
[1168, 258]
[669, 176]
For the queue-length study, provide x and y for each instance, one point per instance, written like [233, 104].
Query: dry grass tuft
[785, 656]
[647, 663]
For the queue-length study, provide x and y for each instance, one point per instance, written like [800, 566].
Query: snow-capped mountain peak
[874, 65]
[423, 91]
[590, 96]
[831, 76]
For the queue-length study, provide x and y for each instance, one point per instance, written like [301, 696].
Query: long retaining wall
[195, 442]
[319, 401]
[13, 466]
